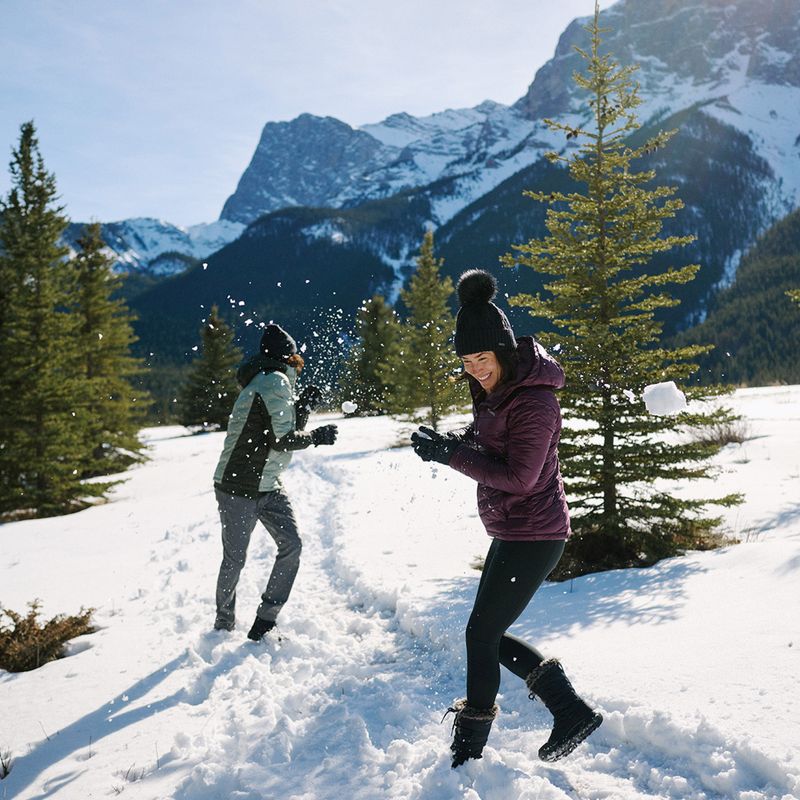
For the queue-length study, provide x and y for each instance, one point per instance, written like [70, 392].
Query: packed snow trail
[347, 680]
[350, 701]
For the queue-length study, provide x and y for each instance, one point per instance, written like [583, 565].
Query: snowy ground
[694, 662]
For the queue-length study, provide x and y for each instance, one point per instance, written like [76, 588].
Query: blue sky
[149, 108]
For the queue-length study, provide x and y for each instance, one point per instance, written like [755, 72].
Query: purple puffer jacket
[511, 449]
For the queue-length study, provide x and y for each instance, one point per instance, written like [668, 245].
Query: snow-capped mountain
[739, 61]
[341, 211]
[322, 162]
[150, 245]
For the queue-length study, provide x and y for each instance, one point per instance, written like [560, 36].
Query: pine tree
[603, 300]
[43, 425]
[365, 376]
[115, 408]
[419, 371]
[211, 389]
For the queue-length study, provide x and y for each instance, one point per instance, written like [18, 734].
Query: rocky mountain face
[306, 162]
[688, 50]
[321, 162]
[725, 74]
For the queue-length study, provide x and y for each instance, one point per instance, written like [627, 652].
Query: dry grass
[722, 433]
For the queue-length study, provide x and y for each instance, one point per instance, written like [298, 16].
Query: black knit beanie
[480, 324]
[276, 343]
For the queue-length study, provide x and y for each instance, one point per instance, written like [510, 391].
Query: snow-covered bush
[29, 644]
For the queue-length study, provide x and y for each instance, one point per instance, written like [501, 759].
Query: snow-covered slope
[693, 661]
[138, 244]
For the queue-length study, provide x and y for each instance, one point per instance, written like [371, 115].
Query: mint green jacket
[253, 458]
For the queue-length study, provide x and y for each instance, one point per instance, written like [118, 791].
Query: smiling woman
[511, 450]
[491, 369]
[485, 368]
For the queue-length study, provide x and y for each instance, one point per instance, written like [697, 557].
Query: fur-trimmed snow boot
[471, 728]
[573, 720]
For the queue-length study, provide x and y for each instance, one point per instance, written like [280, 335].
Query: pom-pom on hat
[276, 343]
[480, 324]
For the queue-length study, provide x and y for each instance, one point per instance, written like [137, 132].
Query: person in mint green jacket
[265, 427]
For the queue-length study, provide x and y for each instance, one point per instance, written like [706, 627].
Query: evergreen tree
[419, 372]
[211, 389]
[43, 425]
[603, 300]
[365, 376]
[115, 408]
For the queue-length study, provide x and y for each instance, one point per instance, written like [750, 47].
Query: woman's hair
[509, 362]
[296, 360]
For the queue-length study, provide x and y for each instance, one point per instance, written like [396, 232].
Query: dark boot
[260, 627]
[573, 720]
[471, 728]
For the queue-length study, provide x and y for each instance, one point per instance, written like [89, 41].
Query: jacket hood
[249, 368]
[536, 368]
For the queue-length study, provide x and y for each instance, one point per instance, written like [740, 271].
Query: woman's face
[484, 367]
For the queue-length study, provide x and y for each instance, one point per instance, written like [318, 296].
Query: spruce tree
[602, 301]
[211, 389]
[43, 425]
[115, 408]
[419, 373]
[366, 380]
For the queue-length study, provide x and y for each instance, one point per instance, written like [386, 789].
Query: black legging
[511, 575]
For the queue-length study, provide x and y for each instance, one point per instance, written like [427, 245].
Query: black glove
[324, 435]
[432, 446]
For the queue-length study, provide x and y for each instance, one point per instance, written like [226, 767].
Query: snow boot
[259, 628]
[223, 625]
[471, 728]
[573, 720]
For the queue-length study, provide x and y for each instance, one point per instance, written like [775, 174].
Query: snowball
[663, 399]
[349, 407]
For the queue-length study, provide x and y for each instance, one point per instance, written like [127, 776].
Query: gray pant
[238, 516]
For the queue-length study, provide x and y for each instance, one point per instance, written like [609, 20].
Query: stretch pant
[238, 516]
[511, 575]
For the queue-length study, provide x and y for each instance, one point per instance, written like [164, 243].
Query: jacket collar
[260, 363]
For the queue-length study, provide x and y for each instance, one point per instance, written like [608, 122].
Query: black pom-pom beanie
[276, 343]
[480, 324]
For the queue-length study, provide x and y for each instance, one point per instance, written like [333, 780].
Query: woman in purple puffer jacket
[511, 450]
